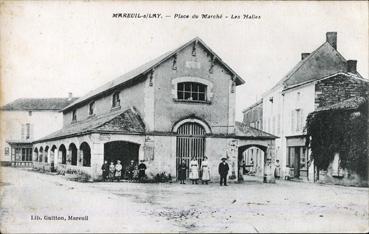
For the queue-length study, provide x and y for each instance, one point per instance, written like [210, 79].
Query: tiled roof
[121, 121]
[322, 62]
[144, 69]
[29, 104]
[348, 104]
[242, 130]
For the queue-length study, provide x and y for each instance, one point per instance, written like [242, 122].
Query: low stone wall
[345, 178]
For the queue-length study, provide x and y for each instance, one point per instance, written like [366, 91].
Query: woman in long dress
[194, 171]
[118, 170]
[205, 177]
[277, 172]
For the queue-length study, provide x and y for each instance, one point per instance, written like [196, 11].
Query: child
[135, 173]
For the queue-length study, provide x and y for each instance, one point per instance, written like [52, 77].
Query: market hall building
[178, 106]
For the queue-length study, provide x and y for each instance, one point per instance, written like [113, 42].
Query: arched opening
[40, 158]
[63, 154]
[254, 157]
[46, 156]
[190, 143]
[85, 154]
[35, 155]
[52, 154]
[72, 154]
[121, 150]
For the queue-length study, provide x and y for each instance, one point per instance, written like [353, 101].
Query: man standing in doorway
[223, 172]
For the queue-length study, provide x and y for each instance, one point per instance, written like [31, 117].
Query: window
[296, 120]
[91, 108]
[74, 115]
[28, 131]
[191, 91]
[116, 100]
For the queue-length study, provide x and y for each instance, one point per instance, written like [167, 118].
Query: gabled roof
[244, 131]
[253, 105]
[348, 104]
[34, 104]
[121, 121]
[322, 62]
[146, 68]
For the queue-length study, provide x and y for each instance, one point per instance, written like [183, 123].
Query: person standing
[277, 172]
[194, 171]
[105, 170]
[241, 170]
[223, 172]
[205, 177]
[141, 169]
[252, 170]
[111, 171]
[135, 173]
[118, 170]
[269, 172]
[130, 169]
[182, 168]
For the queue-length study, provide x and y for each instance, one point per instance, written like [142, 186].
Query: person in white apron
[205, 177]
[118, 170]
[194, 171]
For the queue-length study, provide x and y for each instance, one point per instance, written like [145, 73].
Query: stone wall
[338, 88]
[218, 109]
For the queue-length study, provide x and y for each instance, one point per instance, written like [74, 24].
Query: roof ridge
[144, 69]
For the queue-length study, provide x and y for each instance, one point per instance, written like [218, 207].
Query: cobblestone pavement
[131, 207]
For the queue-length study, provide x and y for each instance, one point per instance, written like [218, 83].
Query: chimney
[70, 96]
[351, 66]
[332, 39]
[304, 55]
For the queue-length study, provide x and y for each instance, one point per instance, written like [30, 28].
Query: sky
[51, 48]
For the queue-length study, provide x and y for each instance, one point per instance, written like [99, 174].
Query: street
[131, 207]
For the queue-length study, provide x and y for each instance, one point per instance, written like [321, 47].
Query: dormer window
[74, 115]
[116, 100]
[191, 91]
[91, 108]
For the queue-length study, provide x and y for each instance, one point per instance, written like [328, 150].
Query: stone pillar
[56, 158]
[97, 159]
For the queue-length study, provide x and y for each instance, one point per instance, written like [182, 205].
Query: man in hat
[223, 172]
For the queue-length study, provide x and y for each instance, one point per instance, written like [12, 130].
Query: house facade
[25, 120]
[176, 107]
[321, 78]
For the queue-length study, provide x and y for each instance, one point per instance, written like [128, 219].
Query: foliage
[343, 131]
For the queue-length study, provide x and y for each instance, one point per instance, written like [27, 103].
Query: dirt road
[129, 207]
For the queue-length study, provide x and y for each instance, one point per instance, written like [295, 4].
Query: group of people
[132, 172]
[195, 172]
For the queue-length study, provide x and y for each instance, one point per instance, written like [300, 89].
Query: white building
[321, 78]
[25, 120]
